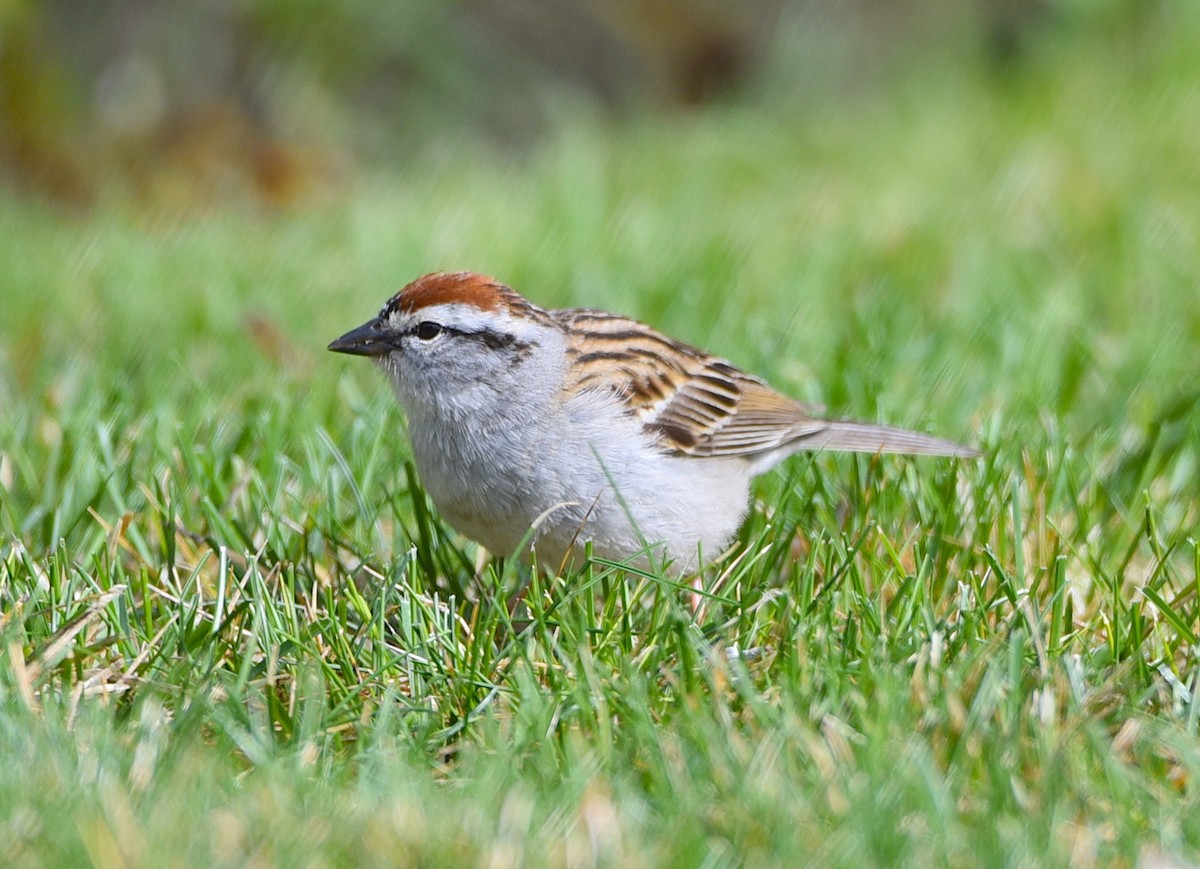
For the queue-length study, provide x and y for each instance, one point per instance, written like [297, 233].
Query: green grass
[232, 631]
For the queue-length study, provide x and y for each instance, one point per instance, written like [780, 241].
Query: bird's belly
[625, 500]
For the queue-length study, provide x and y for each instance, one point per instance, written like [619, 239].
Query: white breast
[585, 473]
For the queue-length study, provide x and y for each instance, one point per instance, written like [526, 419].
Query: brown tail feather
[862, 437]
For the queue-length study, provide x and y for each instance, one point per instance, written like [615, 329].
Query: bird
[551, 433]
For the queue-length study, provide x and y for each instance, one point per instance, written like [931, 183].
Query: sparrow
[560, 429]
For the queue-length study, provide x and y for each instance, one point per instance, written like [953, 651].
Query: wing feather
[699, 405]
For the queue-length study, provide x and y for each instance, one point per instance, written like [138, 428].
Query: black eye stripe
[427, 330]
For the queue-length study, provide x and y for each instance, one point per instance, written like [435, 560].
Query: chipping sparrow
[586, 426]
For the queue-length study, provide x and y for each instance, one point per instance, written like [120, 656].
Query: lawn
[233, 631]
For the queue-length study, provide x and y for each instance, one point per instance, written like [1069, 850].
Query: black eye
[428, 330]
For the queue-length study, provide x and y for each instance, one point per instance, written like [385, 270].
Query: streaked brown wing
[696, 404]
[764, 420]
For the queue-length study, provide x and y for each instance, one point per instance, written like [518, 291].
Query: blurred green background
[180, 103]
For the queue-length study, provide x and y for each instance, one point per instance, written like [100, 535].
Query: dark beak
[370, 339]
